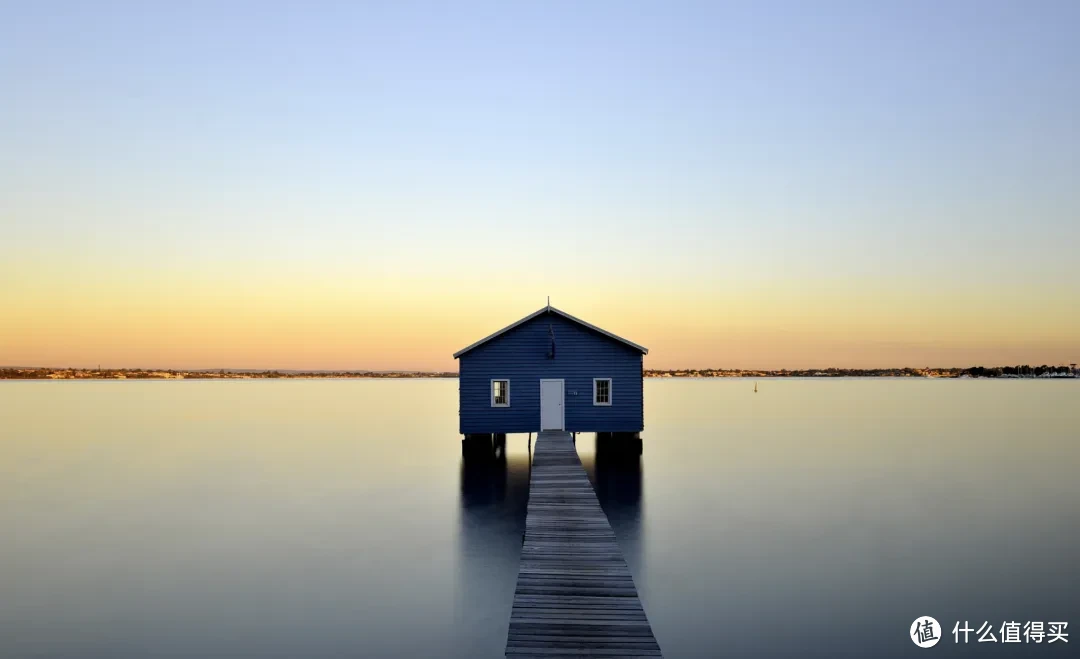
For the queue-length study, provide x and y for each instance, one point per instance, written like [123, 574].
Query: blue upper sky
[837, 114]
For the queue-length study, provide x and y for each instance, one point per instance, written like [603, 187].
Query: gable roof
[551, 309]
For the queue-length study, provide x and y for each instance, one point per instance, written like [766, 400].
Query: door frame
[562, 382]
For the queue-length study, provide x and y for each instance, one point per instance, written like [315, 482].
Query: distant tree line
[24, 374]
[138, 373]
[1024, 370]
[801, 373]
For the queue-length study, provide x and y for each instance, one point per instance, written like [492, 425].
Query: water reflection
[493, 495]
[483, 478]
[617, 475]
[330, 518]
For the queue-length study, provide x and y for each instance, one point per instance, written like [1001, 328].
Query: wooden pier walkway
[575, 596]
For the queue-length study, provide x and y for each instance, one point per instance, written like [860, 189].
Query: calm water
[336, 518]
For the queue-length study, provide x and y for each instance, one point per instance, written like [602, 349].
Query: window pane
[603, 391]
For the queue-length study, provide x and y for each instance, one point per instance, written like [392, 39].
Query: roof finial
[549, 301]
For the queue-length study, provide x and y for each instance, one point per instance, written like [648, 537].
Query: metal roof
[551, 309]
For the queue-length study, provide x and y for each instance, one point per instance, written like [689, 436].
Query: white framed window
[601, 391]
[500, 393]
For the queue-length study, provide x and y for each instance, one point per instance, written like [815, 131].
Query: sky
[357, 185]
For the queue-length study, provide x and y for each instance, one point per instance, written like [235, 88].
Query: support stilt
[477, 445]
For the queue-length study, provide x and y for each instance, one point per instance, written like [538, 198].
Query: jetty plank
[575, 595]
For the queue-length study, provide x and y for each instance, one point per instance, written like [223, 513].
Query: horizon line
[386, 371]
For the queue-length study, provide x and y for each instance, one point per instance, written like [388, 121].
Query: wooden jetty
[575, 596]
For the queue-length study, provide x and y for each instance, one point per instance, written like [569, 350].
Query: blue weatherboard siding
[521, 356]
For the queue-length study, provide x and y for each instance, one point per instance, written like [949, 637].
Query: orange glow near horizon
[261, 319]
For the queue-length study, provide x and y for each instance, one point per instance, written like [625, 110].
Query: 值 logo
[925, 632]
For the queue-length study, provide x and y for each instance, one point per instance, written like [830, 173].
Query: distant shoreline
[1003, 372]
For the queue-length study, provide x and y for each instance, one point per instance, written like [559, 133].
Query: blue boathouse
[551, 371]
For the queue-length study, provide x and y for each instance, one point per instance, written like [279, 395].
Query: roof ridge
[551, 309]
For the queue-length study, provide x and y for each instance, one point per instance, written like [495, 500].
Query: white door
[551, 404]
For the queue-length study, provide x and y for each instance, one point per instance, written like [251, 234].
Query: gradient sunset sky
[376, 185]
